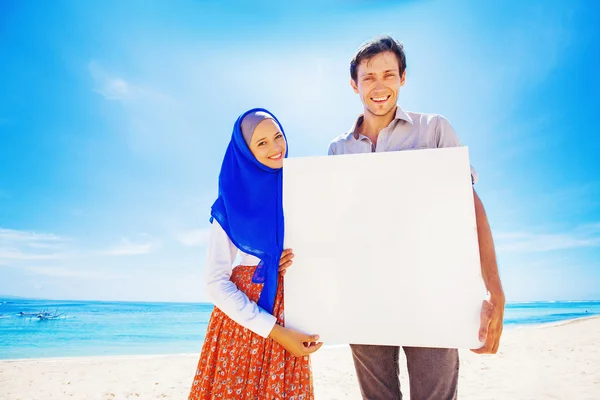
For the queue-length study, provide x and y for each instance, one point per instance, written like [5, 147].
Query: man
[378, 71]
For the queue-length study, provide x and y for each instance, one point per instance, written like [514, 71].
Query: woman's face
[268, 144]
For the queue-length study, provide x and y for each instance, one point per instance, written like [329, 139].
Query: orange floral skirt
[236, 363]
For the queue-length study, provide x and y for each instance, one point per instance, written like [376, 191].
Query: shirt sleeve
[224, 293]
[331, 150]
[447, 138]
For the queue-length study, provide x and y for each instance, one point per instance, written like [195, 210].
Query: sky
[114, 118]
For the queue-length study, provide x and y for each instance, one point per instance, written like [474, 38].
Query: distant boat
[24, 314]
[45, 315]
[42, 316]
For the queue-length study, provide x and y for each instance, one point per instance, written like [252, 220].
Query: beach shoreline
[324, 348]
[526, 367]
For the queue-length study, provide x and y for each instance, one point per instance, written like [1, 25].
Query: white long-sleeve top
[224, 293]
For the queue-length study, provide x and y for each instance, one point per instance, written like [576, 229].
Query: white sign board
[386, 248]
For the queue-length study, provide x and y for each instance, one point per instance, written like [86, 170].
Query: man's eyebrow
[373, 73]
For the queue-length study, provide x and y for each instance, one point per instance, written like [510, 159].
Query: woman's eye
[261, 143]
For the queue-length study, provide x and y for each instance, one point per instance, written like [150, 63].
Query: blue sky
[114, 118]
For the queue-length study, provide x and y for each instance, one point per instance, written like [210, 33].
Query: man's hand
[295, 342]
[492, 320]
[285, 261]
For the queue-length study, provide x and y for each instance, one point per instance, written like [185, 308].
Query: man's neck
[373, 124]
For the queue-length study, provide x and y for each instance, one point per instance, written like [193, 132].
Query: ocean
[96, 328]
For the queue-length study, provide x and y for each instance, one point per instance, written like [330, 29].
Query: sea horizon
[4, 297]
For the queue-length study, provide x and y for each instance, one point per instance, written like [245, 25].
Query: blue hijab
[249, 209]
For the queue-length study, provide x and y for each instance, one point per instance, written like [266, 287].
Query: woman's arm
[224, 293]
[236, 304]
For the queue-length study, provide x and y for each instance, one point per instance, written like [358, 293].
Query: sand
[560, 361]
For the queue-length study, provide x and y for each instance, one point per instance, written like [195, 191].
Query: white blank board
[386, 248]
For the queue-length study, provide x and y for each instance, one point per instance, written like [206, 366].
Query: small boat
[45, 315]
[24, 314]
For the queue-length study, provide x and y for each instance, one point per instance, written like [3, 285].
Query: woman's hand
[285, 261]
[295, 342]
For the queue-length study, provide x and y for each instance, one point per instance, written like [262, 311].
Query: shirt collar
[400, 115]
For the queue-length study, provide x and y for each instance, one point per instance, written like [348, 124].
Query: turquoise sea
[92, 328]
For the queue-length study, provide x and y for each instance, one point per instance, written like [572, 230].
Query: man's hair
[375, 46]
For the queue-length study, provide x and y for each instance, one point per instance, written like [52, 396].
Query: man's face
[378, 82]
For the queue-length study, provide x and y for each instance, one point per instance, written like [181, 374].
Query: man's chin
[380, 112]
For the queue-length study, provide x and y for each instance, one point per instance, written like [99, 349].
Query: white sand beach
[560, 361]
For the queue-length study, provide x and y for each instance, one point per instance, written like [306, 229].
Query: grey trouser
[432, 372]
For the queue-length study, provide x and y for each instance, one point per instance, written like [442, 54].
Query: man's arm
[493, 308]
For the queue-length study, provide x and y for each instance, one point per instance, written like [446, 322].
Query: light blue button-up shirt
[407, 131]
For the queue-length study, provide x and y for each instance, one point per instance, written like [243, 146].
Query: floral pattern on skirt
[236, 363]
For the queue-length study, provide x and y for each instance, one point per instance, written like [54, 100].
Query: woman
[247, 352]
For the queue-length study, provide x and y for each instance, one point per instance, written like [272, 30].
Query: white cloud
[18, 245]
[194, 238]
[112, 88]
[587, 235]
[27, 236]
[63, 272]
[11, 254]
[158, 122]
[128, 248]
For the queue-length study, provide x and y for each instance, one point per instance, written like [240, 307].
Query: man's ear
[354, 85]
